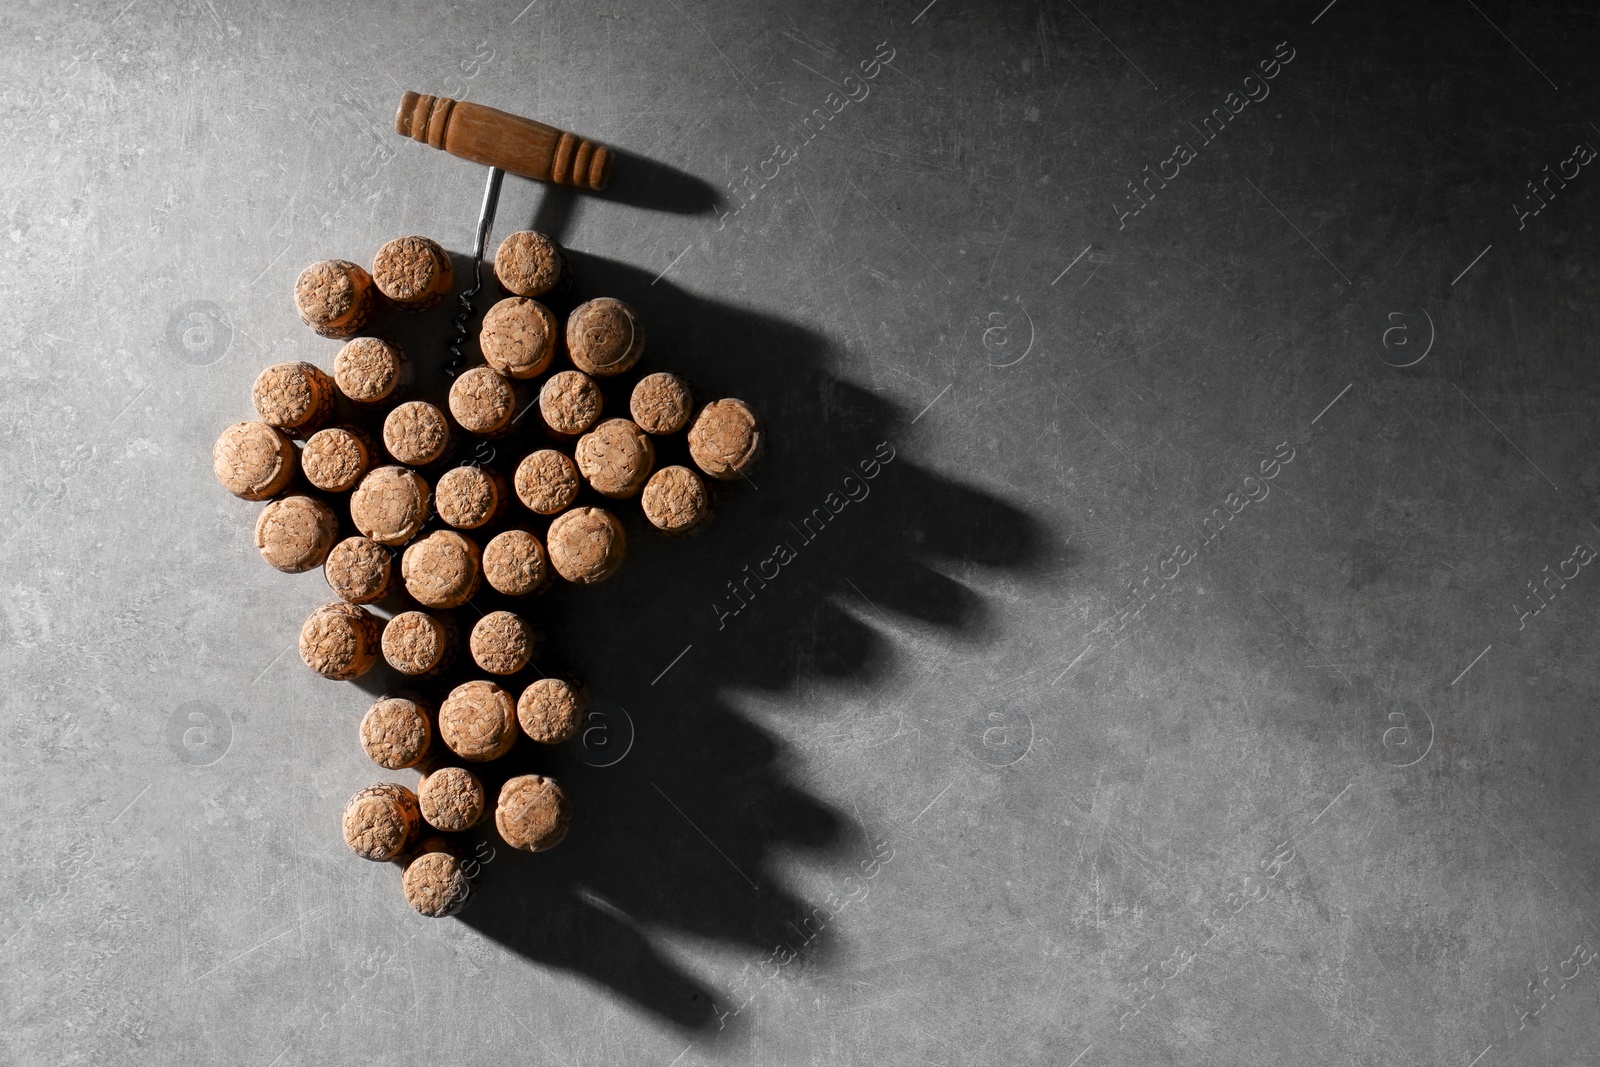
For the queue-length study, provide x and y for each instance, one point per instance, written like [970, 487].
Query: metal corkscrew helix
[491, 200]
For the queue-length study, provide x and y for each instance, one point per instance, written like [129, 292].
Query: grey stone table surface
[1161, 630]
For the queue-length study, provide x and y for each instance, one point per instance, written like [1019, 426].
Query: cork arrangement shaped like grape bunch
[402, 504]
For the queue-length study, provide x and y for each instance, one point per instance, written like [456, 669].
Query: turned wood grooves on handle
[498, 138]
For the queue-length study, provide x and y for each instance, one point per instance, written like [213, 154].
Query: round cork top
[294, 534]
[586, 545]
[725, 440]
[529, 263]
[442, 570]
[451, 799]
[604, 337]
[466, 497]
[253, 460]
[390, 505]
[478, 721]
[502, 642]
[416, 433]
[551, 710]
[334, 297]
[661, 403]
[415, 643]
[547, 481]
[570, 401]
[518, 337]
[292, 396]
[358, 570]
[532, 813]
[381, 820]
[335, 459]
[340, 641]
[395, 733]
[436, 884]
[616, 458]
[414, 272]
[368, 369]
[482, 401]
[514, 563]
[675, 501]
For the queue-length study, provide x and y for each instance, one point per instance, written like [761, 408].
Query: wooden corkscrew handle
[498, 138]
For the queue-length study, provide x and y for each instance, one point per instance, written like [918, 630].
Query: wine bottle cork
[725, 440]
[369, 370]
[413, 272]
[381, 821]
[359, 570]
[616, 457]
[586, 545]
[604, 337]
[295, 533]
[253, 460]
[675, 501]
[419, 644]
[532, 813]
[478, 721]
[546, 481]
[442, 570]
[551, 710]
[335, 298]
[569, 403]
[469, 497]
[390, 505]
[294, 397]
[514, 563]
[396, 734]
[436, 884]
[416, 433]
[452, 799]
[340, 641]
[335, 459]
[502, 642]
[661, 403]
[518, 338]
[529, 263]
[483, 401]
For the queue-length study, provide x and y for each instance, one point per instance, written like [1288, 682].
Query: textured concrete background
[1019, 761]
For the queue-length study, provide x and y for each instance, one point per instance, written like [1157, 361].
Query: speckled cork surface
[413, 272]
[395, 733]
[478, 720]
[661, 403]
[502, 642]
[550, 710]
[529, 263]
[295, 396]
[417, 643]
[334, 297]
[442, 570]
[295, 533]
[675, 501]
[616, 458]
[335, 459]
[436, 885]
[390, 505]
[514, 563]
[604, 337]
[532, 813]
[482, 401]
[254, 461]
[381, 821]
[518, 337]
[359, 570]
[368, 370]
[586, 545]
[547, 481]
[451, 799]
[468, 497]
[340, 641]
[726, 439]
[570, 402]
[416, 433]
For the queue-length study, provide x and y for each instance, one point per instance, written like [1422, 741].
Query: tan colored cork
[436, 884]
[502, 642]
[335, 459]
[295, 533]
[359, 570]
[416, 433]
[478, 720]
[604, 337]
[518, 337]
[661, 403]
[417, 643]
[253, 460]
[413, 272]
[725, 440]
[616, 457]
[442, 570]
[547, 481]
[452, 799]
[529, 263]
[395, 733]
[390, 505]
[340, 641]
[514, 563]
[297, 397]
[570, 402]
[675, 501]
[483, 401]
[551, 710]
[468, 497]
[368, 370]
[381, 821]
[532, 813]
[586, 545]
[335, 298]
